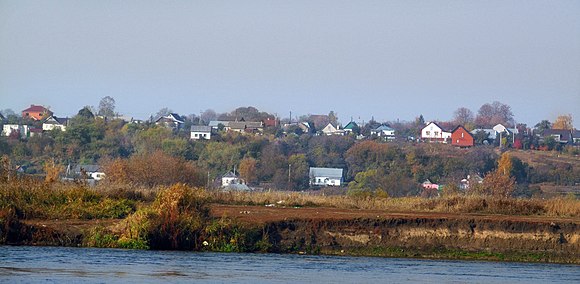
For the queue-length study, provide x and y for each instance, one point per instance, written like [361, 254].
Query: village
[37, 121]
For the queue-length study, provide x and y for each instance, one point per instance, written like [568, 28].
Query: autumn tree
[463, 116]
[494, 113]
[563, 122]
[248, 170]
[500, 183]
[107, 107]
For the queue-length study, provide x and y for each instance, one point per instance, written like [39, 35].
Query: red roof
[35, 108]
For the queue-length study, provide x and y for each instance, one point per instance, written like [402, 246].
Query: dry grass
[562, 207]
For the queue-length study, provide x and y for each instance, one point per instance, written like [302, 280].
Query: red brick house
[36, 112]
[461, 137]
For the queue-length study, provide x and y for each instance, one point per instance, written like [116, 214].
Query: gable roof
[229, 175]
[326, 172]
[2, 117]
[56, 120]
[245, 124]
[200, 128]
[461, 127]
[435, 123]
[173, 117]
[351, 125]
[383, 127]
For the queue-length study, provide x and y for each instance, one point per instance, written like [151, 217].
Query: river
[67, 265]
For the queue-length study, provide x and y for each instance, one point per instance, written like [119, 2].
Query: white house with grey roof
[325, 176]
[200, 132]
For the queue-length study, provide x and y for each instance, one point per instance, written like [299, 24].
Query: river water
[73, 265]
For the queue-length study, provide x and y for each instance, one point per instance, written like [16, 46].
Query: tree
[463, 116]
[542, 125]
[248, 171]
[86, 112]
[208, 115]
[333, 118]
[500, 183]
[494, 113]
[563, 122]
[298, 171]
[163, 112]
[107, 107]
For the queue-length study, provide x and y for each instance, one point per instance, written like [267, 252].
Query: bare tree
[208, 115]
[463, 116]
[107, 107]
[494, 113]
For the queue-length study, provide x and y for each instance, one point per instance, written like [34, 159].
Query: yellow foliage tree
[500, 183]
[563, 122]
[52, 171]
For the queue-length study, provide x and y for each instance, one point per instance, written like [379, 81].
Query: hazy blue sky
[387, 59]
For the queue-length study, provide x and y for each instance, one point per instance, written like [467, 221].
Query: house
[325, 176]
[270, 122]
[53, 122]
[172, 120]
[350, 127]
[435, 133]
[15, 129]
[215, 124]
[245, 126]
[305, 126]
[461, 137]
[499, 128]
[576, 136]
[330, 129]
[230, 178]
[200, 132]
[384, 131]
[563, 136]
[36, 112]
[90, 171]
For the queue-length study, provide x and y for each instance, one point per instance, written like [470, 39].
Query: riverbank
[350, 232]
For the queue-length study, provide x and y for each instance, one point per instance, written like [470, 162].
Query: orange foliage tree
[153, 169]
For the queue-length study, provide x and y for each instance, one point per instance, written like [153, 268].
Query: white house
[92, 171]
[200, 132]
[325, 176]
[330, 129]
[384, 131]
[53, 122]
[230, 178]
[435, 133]
[23, 130]
[172, 120]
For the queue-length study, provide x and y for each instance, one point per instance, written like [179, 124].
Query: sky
[384, 59]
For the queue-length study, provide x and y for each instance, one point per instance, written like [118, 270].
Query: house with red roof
[36, 112]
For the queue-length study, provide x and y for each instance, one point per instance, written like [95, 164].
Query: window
[427, 132]
[436, 133]
[461, 134]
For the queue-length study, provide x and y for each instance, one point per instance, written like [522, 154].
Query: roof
[326, 172]
[230, 175]
[237, 187]
[565, 134]
[56, 120]
[245, 124]
[200, 128]
[461, 126]
[173, 117]
[576, 133]
[351, 125]
[87, 168]
[383, 127]
[2, 117]
[35, 108]
[432, 122]
[216, 123]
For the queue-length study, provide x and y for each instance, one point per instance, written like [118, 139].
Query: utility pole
[289, 169]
